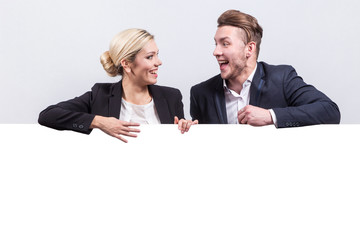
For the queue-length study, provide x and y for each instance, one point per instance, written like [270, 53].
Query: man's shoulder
[275, 69]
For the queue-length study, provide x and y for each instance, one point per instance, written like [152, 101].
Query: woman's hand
[114, 127]
[183, 124]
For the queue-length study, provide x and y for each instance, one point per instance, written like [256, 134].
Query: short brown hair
[248, 23]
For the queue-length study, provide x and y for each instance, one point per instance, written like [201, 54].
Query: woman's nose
[158, 62]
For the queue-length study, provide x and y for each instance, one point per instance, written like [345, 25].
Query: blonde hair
[124, 45]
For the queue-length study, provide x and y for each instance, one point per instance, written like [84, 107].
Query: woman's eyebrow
[152, 52]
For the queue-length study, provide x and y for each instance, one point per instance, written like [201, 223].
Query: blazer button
[81, 126]
[75, 125]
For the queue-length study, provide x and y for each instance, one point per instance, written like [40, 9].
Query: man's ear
[126, 65]
[250, 49]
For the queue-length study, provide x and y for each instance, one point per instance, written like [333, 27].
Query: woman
[118, 108]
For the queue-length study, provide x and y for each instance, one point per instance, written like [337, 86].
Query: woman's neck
[134, 93]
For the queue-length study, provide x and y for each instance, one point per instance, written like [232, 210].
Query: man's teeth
[223, 62]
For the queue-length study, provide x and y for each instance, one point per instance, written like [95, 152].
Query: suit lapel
[219, 100]
[256, 85]
[115, 100]
[161, 104]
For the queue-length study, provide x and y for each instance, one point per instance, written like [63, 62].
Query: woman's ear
[126, 65]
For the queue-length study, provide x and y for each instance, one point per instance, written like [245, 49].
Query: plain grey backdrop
[49, 50]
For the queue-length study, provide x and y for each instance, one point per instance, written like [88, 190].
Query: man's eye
[225, 44]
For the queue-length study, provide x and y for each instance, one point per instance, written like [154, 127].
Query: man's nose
[217, 51]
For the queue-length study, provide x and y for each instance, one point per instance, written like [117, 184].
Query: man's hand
[254, 116]
[114, 127]
[183, 124]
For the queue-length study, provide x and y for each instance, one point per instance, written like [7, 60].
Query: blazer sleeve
[179, 106]
[306, 105]
[194, 106]
[74, 114]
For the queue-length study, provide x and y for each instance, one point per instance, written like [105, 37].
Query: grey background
[49, 50]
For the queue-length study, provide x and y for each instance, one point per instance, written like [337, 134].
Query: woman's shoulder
[165, 90]
[106, 88]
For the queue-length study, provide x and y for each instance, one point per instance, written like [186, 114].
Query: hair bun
[108, 64]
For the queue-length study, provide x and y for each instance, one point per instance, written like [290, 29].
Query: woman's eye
[149, 57]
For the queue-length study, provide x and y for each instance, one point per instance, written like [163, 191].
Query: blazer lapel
[219, 100]
[256, 85]
[115, 100]
[161, 105]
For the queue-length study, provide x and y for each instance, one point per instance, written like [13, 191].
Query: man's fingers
[241, 116]
[244, 120]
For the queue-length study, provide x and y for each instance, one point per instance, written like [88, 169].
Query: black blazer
[273, 87]
[105, 99]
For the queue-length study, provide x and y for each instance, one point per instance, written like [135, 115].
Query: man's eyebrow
[222, 39]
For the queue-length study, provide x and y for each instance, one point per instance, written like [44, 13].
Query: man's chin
[223, 75]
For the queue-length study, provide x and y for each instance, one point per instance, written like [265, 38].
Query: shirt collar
[249, 80]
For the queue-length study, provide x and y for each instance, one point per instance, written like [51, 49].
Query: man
[255, 93]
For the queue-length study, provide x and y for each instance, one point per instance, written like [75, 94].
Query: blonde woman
[118, 108]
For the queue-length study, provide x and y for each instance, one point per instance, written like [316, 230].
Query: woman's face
[144, 70]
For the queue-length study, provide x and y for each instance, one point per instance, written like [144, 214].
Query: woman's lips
[154, 73]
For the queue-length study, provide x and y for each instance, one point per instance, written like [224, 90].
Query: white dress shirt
[234, 101]
[143, 114]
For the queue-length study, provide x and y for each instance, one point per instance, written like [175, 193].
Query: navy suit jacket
[104, 99]
[294, 102]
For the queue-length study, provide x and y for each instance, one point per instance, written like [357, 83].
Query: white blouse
[143, 114]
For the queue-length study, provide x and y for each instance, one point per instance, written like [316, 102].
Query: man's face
[230, 51]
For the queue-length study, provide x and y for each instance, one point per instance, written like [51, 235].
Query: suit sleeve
[306, 105]
[74, 114]
[194, 107]
[179, 106]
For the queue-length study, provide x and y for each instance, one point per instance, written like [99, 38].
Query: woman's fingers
[117, 128]
[176, 120]
[184, 125]
[120, 138]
